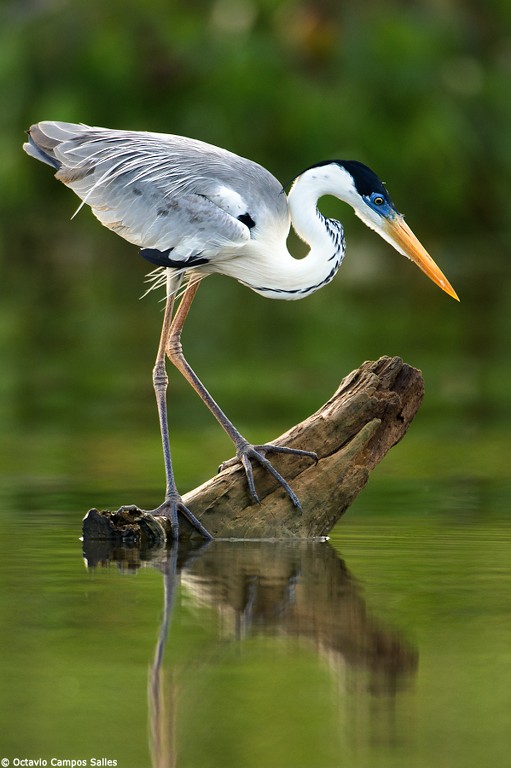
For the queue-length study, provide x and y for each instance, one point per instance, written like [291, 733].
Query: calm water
[386, 646]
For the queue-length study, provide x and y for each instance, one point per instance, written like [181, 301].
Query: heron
[194, 209]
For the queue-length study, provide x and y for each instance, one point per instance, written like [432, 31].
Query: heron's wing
[161, 191]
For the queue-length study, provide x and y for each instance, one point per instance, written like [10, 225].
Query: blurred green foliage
[418, 90]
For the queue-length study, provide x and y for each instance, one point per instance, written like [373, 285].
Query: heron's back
[162, 191]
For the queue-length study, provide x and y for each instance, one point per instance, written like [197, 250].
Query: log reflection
[299, 590]
[302, 590]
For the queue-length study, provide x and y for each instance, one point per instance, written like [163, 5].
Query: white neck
[279, 275]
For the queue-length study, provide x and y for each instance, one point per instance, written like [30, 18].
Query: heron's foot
[246, 453]
[171, 508]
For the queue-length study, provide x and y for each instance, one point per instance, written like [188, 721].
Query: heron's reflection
[299, 590]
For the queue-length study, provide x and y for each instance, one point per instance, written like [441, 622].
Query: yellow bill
[405, 241]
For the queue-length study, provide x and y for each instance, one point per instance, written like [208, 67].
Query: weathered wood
[368, 414]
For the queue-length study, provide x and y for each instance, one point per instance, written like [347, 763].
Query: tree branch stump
[368, 414]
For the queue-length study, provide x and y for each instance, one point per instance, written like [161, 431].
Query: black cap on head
[365, 180]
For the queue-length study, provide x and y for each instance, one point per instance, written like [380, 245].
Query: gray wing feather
[162, 191]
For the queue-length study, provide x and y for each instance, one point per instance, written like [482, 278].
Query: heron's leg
[173, 503]
[245, 451]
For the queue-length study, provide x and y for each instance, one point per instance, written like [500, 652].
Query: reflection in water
[298, 589]
[162, 728]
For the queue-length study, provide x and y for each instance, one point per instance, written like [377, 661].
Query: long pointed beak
[403, 239]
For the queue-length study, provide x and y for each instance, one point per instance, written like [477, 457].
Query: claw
[247, 466]
[170, 508]
[247, 453]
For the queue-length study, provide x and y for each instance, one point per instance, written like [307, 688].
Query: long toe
[171, 509]
[270, 448]
[195, 522]
[250, 453]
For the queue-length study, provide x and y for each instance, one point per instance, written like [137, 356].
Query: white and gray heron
[195, 209]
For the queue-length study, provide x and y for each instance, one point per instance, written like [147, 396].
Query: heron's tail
[46, 136]
[41, 146]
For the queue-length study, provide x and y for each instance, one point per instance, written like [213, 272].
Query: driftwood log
[368, 414]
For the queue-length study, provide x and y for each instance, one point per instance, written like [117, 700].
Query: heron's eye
[378, 200]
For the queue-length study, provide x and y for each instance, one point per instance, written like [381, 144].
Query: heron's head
[359, 186]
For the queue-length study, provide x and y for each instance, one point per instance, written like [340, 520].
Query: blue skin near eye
[384, 209]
